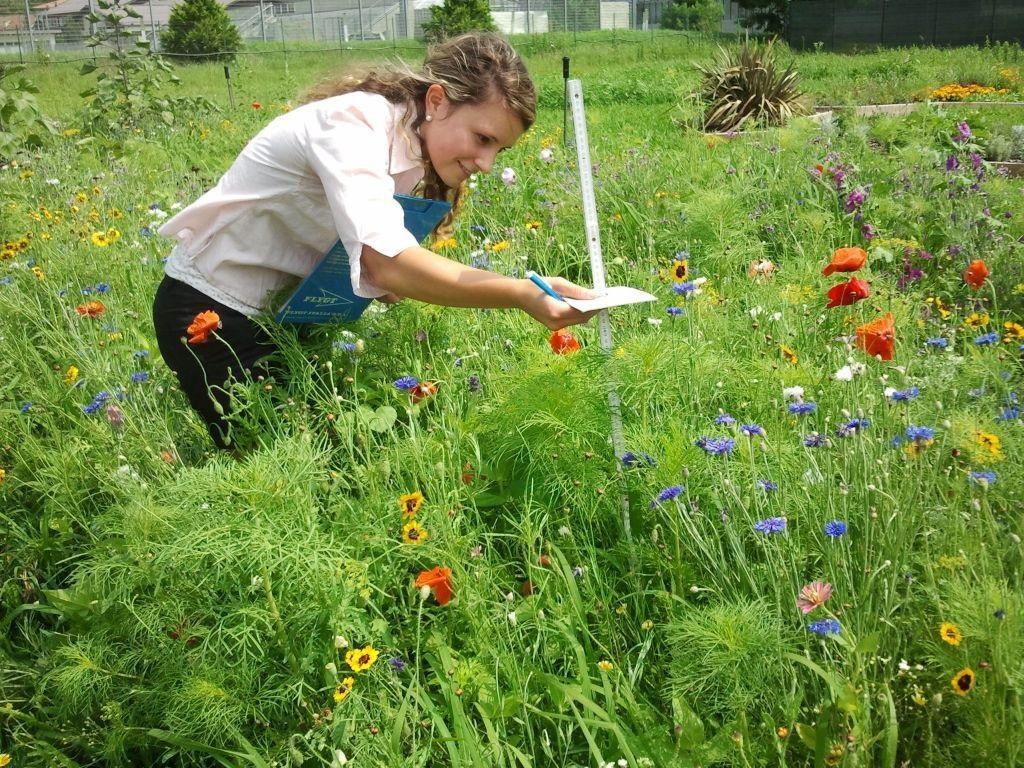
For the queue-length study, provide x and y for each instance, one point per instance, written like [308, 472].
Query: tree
[702, 15]
[201, 28]
[458, 16]
[771, 15]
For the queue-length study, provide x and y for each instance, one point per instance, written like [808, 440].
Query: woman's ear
[435, 100]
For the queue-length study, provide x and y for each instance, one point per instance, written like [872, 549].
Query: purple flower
[26, 407]
[986, 339]
[674, 311]
[855, 199]
[952, 163]
[684, 289]
[984, 478]
[770, 525]
[473, 382]
[140, 377]
[963, 132]
[815, 440]
[630, 460]
[397, 664]
[936, 342]
[724, 419]
[767, 486]
[852, 427]
[920, 434]
[904, 395]
[752, 429]
[406, 383]
[115, 415]
[1009, 414]
[800, 409]
[868, 232]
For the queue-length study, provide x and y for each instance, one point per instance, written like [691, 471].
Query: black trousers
[237, 351]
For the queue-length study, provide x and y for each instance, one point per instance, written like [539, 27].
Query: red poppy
[846, 260]
[975, 274]
[845, 294]
[202, 326]
[256, 105]
[91, 309]
[878, 337]
[423, 390]
[439, 580]
[563, 342]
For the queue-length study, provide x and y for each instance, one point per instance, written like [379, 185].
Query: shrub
[458, 16]
[748, 86]
[22, 125]
[702, 15]
[202, 29]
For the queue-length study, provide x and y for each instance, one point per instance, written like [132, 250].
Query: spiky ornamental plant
[748, 86]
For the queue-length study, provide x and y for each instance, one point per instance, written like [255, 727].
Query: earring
[429, 118]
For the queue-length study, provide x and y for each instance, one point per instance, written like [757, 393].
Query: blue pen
[541, 283]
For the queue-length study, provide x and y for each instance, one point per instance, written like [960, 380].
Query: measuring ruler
[579, 124]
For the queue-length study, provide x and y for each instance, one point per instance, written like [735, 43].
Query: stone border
[905, 108]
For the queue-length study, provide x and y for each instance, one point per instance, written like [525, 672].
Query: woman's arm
[417, 273]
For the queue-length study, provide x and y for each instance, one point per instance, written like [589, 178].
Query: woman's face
[464, 139]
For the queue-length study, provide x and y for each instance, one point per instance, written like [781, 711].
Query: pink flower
[813, 596]
[508, 176]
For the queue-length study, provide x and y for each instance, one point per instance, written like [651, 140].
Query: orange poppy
[878, 337]
[563, 342]
[844, 294]
[91, 309]
[846, 260]
[423, 390]
[202, 326]
[439, 580]
[975, 274]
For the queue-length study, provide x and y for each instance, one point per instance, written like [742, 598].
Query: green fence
[846, 24]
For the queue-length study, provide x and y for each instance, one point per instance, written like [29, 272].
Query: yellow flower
[27, 174]
[788, 355]
[414, 533]
[70, 132]
[1014, 332]
[410, 504]
[445, 243]
[605, 666]
[361, 658]
[81, 197]
[919, 699]
[532, 225]
[1018, 289]
[344, 689]
[38, 272]
[941, 308]
[990, 443]
[950, 633]
[113, 235]
[976, 320]
[100, 240]
[963, 681]
[501, 245]
[659, 195]
[115, 213]
[680, 271]
[3, 476]
[71, 376]
[5, 759]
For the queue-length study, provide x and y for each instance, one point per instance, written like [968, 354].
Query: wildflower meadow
[426, 551]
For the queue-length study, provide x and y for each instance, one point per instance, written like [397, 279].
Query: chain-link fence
[64, 25]
[845, 24]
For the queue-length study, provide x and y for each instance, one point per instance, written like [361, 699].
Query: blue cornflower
[478, 229]
[145, 231]
[397, 664]
[852, 427]
[140, 377]
[770, 525]
[904, 395]
[667, 494]
[674, 311]
[405, 383]
[577, 571]
[1009, 414]
[918, 434]
[86, 291]
[976, 392]
[752, 429]
[716, 446]
[684, 289]
[473, 382]
[140, 353]
[26, 407]
[102, 288]
[834, 529]
[724, 419]
[825, 627]
[815, 440]
[985, 478]
[936, 342]
[801, 408]
[987, 338]
[767, 486]
[6, 280]
[630, 460]
[98, 401]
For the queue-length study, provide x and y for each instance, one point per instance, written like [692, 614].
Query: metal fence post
[21, 51]
[359, 5]
[28, 20]
[263, 23]
[312, 20]
[881, 29]
[527, 16]
[565, 15]
[152, 27]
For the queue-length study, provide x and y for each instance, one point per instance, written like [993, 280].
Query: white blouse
[323, 171]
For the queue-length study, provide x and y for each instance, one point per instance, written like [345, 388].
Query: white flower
[621, 762]
[158, 214]
[340, 642]
[795, 394]
[904, 665]
[755, 311]
[512, 618]
[547, 156]
[857, 368]
[655, 321]
[889, 392]
[776, 316]
[53, 182]
[339, 759]
[564, 530]
[508, 176]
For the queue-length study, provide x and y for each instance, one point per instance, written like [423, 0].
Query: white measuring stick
[579, 124]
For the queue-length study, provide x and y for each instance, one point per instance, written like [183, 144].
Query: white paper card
[617, 296]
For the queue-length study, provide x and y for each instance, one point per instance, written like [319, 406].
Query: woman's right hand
[550, 312]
